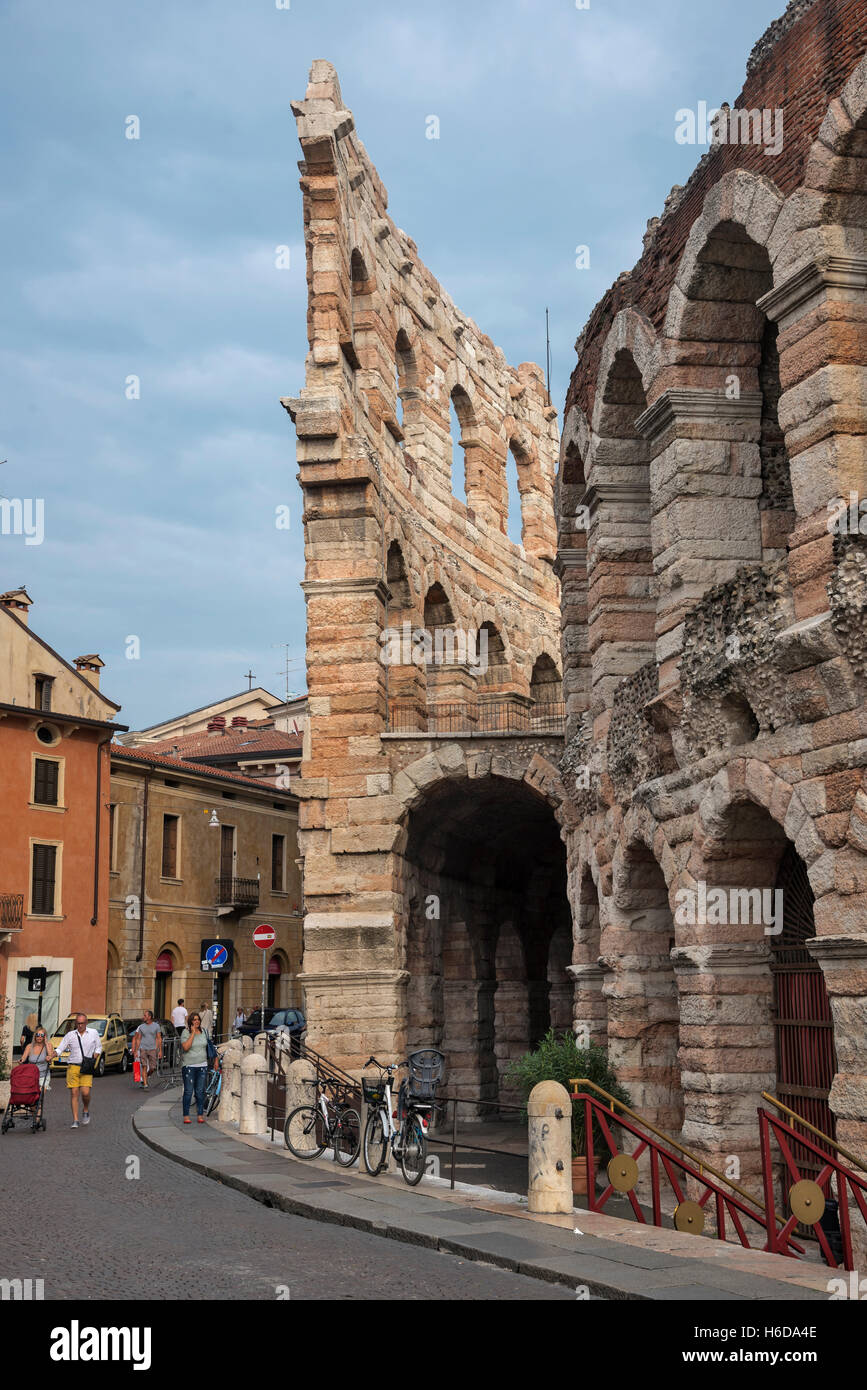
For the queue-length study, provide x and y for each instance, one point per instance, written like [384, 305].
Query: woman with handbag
[197, 1050]
[83, 1046]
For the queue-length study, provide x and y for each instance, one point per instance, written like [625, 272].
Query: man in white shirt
[179, 1015]
[80, 1042]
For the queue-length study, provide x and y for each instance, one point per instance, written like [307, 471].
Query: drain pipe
[144, 855]
[95, 918]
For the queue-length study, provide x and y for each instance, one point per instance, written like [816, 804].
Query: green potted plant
[558, 1057]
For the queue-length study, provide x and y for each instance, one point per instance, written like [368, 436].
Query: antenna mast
[548, 356]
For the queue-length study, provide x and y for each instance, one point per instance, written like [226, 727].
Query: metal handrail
[826, 1138]
[660, 1134]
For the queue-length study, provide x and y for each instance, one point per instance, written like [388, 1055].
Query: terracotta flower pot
[579, 1176]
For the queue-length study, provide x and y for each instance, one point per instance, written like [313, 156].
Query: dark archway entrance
[803, 1025]
[488, 928]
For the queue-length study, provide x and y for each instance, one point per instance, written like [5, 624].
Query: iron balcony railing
[11, 912]
[237, 892]
[495, 716]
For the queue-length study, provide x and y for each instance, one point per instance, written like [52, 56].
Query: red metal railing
[801, 1177]
[730, 1203]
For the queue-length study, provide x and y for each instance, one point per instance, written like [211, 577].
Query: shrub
[559, 1058]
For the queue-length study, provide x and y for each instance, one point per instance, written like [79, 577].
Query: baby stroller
[26, 1097]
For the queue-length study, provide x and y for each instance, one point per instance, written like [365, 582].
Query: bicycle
[407, 1139]
[213, 1087]
[329, 1122]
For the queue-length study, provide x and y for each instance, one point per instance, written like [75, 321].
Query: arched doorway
[806, 1058]
[164, 969]
[488, 927]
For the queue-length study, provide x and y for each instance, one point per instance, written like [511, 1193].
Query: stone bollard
[550, 1142]
[254, 1093]
[260, 1042]
[296, 1073]
[229, 1098]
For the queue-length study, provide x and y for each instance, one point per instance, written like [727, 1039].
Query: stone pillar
[230, 1057]
[550, 1149]
[821, 309]
[254, 1094]
[726, 1051]
[590, 1008]
[705, 481]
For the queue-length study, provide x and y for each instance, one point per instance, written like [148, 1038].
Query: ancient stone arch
[371, 480]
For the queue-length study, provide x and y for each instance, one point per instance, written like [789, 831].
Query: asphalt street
[98, 1215]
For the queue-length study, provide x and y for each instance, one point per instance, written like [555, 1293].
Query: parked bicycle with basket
[331, 1122]
[415, 1106]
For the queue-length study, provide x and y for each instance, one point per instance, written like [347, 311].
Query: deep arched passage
[488, 927]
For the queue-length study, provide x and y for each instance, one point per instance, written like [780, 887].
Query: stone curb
[603, 1284]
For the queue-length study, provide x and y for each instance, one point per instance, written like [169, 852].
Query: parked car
[112, 1035]
[288, 1020]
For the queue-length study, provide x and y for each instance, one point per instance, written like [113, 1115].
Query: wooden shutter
[227, 851]
[45, 782]
[42, 894]
[170, 847]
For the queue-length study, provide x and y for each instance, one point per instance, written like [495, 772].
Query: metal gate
[803, 1024]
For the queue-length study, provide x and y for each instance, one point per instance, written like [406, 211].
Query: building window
[112, 836]
[170, 846]
[42, 886]
[43, 692]
[46, 781]
[278, 861]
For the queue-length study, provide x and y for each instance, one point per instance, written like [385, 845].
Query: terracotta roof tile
[147, 755]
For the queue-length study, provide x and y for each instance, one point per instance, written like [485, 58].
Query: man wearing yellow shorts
[82, 1042]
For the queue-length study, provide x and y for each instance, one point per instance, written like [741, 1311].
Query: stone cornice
[362, 585]
[613, 492]
[682, 403]
[811, 280]
[587, 974]
[839, 952]
[569, 558]
[722, 957]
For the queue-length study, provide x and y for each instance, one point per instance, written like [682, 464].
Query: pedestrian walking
[82, 1043]
[207, 1019]
[147, 1046]
[240, 1018]
[28, 1028]
[40, 1051]
[194, 1049]
[179, 1015]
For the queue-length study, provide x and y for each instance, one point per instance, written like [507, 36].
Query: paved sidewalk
[612, 1258]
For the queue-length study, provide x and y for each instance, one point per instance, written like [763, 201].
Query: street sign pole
[262, 1015]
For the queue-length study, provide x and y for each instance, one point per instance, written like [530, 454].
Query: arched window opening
[358, 286]
[546, 688]
[397, 580]
[740, 722]
[458, 467]
[492, 652]
[515, 519]
[406, 375]
[437, 608]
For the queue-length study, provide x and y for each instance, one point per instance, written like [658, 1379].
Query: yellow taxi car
[112, 1036]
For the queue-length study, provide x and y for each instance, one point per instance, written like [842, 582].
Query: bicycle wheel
[413, 1151]
[305, 1133]
[347, 1137]
[212, 1094]
[375, 1143]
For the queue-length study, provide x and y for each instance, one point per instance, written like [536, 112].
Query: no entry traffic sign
[264, 936]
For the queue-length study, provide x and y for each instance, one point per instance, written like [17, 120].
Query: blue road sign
[216, 956]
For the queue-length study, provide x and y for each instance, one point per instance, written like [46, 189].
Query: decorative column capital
[722, 958]
[689, 404]
[834, 277]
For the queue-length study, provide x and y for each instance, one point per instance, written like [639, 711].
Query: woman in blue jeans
[194, 1069]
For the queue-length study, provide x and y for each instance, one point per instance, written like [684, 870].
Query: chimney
[89, 667]
[17, 601]
[239, 721]
[217, 725]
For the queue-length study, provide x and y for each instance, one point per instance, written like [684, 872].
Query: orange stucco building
[55, 728]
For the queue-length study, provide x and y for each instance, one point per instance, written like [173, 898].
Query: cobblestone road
[70, 1216]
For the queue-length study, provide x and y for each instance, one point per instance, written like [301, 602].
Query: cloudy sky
[154, 258]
